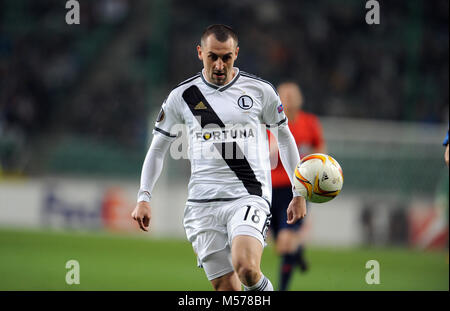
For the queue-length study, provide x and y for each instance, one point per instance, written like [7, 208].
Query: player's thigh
[248, 227]
[250, 219]
[246, 252]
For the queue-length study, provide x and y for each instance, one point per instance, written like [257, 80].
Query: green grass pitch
[35, 260]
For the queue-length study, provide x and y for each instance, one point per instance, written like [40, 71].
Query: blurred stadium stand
[80, 100]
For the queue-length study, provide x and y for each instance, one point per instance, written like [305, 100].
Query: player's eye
[213, 57]
[226, 58]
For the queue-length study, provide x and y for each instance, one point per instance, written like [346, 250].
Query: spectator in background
[307, 133]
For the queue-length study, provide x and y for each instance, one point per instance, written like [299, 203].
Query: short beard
[218, 82]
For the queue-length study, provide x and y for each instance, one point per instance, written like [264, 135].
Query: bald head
[291, 97]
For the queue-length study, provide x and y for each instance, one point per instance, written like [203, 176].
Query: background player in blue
[307, 132]
[445, 143]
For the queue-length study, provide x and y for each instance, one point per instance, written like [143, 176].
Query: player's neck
[233, 74]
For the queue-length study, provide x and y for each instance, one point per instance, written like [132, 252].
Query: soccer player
[229, 193]
[307, 133]
[445, 143]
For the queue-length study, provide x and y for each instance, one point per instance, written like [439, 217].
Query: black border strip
[276, 300]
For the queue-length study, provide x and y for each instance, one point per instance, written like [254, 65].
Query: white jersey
[226, 128]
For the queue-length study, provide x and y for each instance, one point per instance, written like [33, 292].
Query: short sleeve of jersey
[168, 118]
[273, 114]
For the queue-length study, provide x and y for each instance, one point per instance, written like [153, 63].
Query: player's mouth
[219, 75]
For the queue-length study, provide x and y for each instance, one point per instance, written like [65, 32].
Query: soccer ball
[318, 178]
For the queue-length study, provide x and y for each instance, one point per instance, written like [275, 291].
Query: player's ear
[199, 52]
[236, 52]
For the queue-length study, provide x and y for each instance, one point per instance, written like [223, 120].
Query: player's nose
[219, 64]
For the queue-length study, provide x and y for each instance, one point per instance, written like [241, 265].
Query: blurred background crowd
[99, 81]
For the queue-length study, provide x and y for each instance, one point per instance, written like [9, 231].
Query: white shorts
[211, 227]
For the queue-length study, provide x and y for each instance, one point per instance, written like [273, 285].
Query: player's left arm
[290, 158]
[275, 119]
